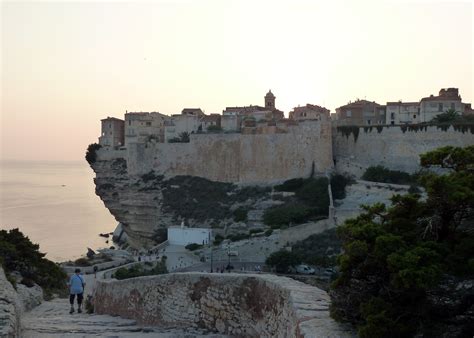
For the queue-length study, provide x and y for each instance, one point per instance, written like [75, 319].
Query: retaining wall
[247, 305]
[395, 147]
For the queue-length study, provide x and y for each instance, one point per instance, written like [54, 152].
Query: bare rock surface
[52, 319]
[9, 308]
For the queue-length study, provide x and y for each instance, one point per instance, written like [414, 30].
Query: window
[414, 116]
[392, 123]
[348, 113]
[392, 116]
[368, 121]
[129, 122]
[110, 125]
[440, 107]
[452, 105]
[148, 123]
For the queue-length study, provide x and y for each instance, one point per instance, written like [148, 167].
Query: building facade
[309, 112]
[403, 113]
[432, 106]
[361, 113]
[112, 132]
[143, 126]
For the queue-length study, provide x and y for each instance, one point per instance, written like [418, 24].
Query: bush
[290, 185]
[384, 175]
[19, 254]
[276, 217]
[91, 155]
[238, 237]
[138, 270]
[218, 239]
[193, 246]
[319, 249]
[240, 215]
[268, 232]
[282, 261]
[82, 262]
[338, 185]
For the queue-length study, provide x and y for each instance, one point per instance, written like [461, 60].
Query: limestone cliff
[148, 204]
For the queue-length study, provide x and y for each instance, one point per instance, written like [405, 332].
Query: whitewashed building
[181, 235]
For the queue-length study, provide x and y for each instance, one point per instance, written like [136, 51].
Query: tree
[91, 155]
[282, 260]
[393, 256]
[449, 115]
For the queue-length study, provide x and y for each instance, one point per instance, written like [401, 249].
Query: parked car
[304, 269]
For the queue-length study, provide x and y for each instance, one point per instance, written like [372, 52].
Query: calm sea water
[54, 204]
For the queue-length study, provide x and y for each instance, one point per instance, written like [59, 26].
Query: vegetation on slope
[384, 175]
[310, 202]
[319, 250]
[91, 155]
[18, 253]
[139, 270]
[396, 257]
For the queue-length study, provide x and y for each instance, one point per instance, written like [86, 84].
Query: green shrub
[218, 239]
[279, 216]
[91, 155]
[319, 249]
[238, 237]
[290, 185]
[18, 253]
[193, 246]
[255, 231]
[240, 215]
[82, 262]
[338, 185]
[268, 232]
[384, 175]
[282, 260]
[139, 270]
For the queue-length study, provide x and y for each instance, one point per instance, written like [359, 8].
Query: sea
[54, 204]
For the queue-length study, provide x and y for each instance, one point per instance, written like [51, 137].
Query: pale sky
[66, 65]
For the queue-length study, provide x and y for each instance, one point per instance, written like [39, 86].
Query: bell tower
[270, 100]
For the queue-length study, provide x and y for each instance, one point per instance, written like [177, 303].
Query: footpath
[52, 319]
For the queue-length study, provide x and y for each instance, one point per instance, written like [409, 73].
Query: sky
[65, 65]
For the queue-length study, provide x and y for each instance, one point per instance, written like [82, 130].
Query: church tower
[270, 100]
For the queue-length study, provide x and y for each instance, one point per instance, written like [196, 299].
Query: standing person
[76, 288]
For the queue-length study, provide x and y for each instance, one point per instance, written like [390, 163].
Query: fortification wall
[356, 149]
[239, 158]
[233, 304]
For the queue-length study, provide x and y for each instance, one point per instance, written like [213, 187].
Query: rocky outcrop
[147, 205]
[234, 304]
[9, 309]
[30, 297]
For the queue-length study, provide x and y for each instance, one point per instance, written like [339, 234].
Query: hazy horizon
[67, 65]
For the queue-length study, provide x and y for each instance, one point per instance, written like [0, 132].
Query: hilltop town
[140, 127]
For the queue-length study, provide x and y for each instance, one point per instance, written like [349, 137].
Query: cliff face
[148, 204]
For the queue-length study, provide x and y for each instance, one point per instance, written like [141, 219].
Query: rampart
[232, 304]
[237, 158]
[395, 147]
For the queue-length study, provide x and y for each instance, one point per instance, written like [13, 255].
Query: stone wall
[356, 149]
[234, 304]
[9, 309]
[237, 158]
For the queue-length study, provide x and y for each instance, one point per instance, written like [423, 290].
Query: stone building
[259, 113]
[309, 112]
[403, 113]
[432, 106]
[360, 113]
[143, 126]
[112, 132]
[210, 120]
[181, 123]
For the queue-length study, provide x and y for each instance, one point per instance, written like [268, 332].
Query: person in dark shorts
[76, 288]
